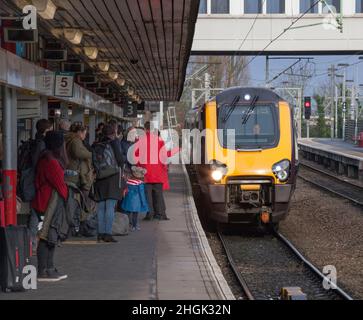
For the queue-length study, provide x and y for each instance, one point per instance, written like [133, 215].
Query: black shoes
[51, 275]
[101, 238]
[148, 218]
[109, 239]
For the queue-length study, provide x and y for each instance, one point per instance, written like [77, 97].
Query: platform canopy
[147, 42]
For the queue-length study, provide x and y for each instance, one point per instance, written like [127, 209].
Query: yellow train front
[248, 160]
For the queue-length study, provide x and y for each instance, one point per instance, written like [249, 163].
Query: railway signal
[307, 106]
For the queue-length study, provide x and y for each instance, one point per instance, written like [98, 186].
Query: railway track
[331, 183]
[264, 265]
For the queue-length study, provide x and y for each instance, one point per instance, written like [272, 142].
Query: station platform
[166, 260]
[343, 157]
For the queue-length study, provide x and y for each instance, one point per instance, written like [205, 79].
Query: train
[243, 152]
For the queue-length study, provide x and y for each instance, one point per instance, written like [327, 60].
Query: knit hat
[138, 172]
[54, 140]
[108, 130]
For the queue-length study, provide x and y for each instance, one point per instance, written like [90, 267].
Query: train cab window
[254, 127]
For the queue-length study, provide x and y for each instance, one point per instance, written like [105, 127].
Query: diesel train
[243, 152]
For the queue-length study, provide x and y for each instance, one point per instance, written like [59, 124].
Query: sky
[322, 63]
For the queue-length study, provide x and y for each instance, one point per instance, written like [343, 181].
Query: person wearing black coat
[108, 190]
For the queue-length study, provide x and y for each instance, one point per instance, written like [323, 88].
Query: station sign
[64, 84]
[130, 110]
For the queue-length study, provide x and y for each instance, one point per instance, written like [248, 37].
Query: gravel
[328, 231]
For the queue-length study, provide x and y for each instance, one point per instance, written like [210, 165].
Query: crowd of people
[118, 172]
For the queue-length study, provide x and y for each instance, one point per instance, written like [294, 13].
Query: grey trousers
[155, 199]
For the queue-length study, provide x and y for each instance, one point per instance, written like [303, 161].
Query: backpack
[26, 187]
[104, 161]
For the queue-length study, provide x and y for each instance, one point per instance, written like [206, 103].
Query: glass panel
[220, 6]
[275, 6]
[253, 6]
[334, 3]
[359, 6]
[254, 127]
[306, 5]
[203, 6]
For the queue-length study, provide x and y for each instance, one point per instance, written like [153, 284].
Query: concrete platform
[168, 260]
[342, 157]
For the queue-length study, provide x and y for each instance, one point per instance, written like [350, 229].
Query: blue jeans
[106, 216]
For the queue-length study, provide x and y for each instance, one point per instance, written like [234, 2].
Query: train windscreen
[255, 127]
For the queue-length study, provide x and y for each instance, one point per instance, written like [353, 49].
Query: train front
[252, 156]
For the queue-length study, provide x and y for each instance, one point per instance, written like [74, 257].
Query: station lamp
[130, 92]
[104, 66]
[121, 82]
[45, 8]
[307, 106]
[113, 75]
[91, 52]
[73, 35]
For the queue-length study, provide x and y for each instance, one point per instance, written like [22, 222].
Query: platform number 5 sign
[64, 84]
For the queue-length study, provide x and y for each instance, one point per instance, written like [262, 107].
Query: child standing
[135, 201]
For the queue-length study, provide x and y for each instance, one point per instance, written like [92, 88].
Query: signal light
[307, 106]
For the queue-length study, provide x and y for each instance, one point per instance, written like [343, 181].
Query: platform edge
[221, 283]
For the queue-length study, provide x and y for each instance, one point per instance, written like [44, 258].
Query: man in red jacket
[152, 155]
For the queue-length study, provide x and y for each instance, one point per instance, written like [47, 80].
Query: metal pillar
[332, 111]
[161, 120]
[267, 71]
[44, 114]
[344, 102]
[92, 127]
[64, 111]
[336, 112]
[9, 174]
[77, 114]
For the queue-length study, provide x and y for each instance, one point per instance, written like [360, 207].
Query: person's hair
[60, 154]
[75, 128]
[147, 126]
[100, 125]
[43, 125]
[112, 122]
[108, 130]
[64, 124]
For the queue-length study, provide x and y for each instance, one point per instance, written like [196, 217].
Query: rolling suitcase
[15, 254]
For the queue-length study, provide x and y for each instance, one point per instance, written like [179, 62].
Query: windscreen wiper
[232, 108]
[252, 107]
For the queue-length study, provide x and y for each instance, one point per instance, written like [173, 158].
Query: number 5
[64, 82]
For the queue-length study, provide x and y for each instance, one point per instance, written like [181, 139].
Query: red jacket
[50, 176]
[151, 154]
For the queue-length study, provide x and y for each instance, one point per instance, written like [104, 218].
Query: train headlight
[219, 170]
[282, 170]
[217, 175]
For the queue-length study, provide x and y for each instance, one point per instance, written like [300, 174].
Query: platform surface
[334, 146]
[166, 260]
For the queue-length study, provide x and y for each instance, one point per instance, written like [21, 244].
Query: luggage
[89, 227]
[121, 225]
[26, 186]
[104, 161]
[15, 254]
[2, 213]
